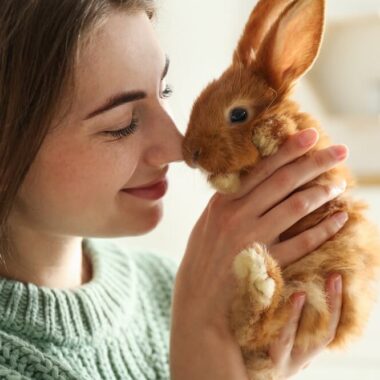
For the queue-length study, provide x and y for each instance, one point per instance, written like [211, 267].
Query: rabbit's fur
[279, 44]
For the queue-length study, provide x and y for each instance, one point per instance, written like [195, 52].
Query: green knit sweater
[114, 327]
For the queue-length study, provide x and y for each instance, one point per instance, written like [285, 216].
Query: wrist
[205, 355]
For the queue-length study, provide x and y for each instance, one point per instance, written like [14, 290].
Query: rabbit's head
[239, 117]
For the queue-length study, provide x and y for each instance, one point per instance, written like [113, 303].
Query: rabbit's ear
[264, 15]
[293, 42]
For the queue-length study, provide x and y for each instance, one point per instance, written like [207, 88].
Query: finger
[281, 348]
[296, 174]
[294, 147]
[297, 206]
[334, 298]
[295, 248]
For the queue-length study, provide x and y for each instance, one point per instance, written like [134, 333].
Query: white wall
[199, 37]
[338, 9]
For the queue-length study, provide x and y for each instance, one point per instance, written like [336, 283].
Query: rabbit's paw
[270, 133]
[251, 271]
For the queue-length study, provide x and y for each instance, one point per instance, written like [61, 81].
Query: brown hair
[39, 45]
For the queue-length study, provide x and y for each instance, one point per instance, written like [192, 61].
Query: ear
[263, 16]
[293, 42]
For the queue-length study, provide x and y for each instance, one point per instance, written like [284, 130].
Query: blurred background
[342, 91]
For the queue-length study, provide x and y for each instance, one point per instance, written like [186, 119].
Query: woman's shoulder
[10, 374]
[21, 359]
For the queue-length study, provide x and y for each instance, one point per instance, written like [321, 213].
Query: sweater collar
[73, 316]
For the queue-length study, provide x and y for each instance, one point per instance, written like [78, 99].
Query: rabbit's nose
[197, 154]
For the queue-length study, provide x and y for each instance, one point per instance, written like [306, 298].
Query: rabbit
[244, 116]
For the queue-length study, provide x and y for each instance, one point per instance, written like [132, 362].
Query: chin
[148, 221]
[155, 217]
[138, 222]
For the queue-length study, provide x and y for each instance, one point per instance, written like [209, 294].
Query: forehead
[234, 85]
[122, 55]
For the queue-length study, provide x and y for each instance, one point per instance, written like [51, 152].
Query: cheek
[72, 177]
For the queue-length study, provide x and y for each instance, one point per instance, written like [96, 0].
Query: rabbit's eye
[238, 115]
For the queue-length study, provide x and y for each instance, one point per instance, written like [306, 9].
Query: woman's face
[74, 185]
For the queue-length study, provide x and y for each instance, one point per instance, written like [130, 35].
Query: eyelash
[124, 132]
[168, 91]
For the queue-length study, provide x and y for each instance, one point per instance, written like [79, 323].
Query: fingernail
[307, 137]
[340, 151]
[338, 284]
[338, 189]
[341, 218]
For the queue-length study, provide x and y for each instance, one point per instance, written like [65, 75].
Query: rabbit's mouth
[225, 183]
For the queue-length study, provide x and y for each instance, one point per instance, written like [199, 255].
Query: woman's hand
[259, 212]
[288, 359]
[208, 355]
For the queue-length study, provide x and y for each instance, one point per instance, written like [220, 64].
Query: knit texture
[114, 327]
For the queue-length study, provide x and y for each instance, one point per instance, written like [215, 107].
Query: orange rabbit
[245, 115]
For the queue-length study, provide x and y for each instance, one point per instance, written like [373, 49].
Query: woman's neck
[46, 260]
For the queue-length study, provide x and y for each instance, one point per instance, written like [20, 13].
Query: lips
[151, 190]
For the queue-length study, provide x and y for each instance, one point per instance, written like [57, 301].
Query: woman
[85, 132]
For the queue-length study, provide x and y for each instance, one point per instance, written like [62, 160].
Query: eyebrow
[125, 97]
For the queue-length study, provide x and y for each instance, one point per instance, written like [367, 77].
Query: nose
[196, 154]
[164, 142]
[191, 154]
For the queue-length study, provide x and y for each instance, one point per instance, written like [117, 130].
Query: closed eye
[124, 132]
